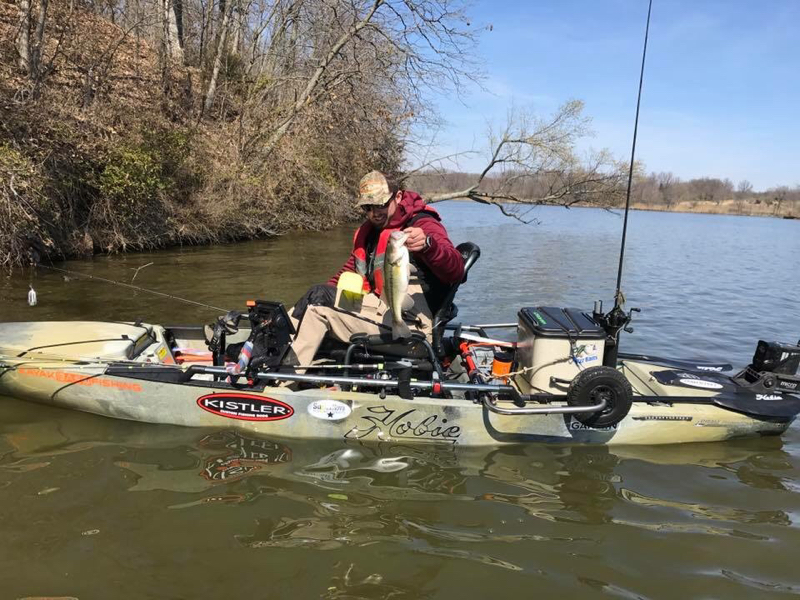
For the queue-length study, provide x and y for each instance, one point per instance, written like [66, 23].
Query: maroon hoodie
[441, 257]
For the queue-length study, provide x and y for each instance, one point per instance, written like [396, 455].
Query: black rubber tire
[594, 383]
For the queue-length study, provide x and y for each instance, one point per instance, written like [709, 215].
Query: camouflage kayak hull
[150, 388]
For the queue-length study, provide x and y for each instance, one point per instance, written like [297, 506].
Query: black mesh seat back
[470, 252]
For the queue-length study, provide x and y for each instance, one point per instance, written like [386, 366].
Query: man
[436, 265]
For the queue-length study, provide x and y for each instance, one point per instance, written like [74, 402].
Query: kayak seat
[470, 252]
[415, 346]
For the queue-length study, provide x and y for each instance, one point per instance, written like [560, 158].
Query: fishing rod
[616, 319]
[132, 287]
[633, 154]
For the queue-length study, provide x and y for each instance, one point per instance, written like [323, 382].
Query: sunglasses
[373, 207]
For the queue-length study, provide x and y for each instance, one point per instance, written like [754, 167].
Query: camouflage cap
[373, 189]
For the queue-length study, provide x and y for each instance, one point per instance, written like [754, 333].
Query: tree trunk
[24, 36]
[172, 29]
[236, 27]
[38, 42]
[212, 84]
[206, 29]
[29, 49]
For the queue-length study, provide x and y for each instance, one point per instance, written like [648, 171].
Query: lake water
[97, 508]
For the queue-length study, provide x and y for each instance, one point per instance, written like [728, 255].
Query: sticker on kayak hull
[702, 383]
[329, 410]
[662, 418]
[575, 425]
[245, 407]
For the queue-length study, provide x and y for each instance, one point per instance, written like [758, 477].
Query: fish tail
[400, 330]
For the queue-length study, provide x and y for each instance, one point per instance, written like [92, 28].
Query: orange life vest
[373, 281]
[360, 254]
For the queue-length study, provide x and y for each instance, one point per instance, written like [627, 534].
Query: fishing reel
[613, 322]
[271, 333]
[215, 334]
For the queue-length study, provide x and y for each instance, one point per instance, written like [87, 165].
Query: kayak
[553, 383]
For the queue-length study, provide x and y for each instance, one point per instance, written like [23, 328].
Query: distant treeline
[657, 191]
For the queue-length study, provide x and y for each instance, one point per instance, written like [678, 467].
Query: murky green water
[97, 508]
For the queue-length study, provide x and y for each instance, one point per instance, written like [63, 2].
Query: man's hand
[416, 240]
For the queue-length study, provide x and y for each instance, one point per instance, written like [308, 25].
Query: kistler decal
[245, 407]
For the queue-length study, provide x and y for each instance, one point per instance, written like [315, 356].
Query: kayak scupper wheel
[601, 383]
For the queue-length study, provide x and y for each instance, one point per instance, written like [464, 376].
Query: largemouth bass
[395, 282]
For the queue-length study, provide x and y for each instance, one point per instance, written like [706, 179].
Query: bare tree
[172, 11]
[221, 45]
[36, 33]
[667, 183]
[710, 189]
[534, 161]
[779, 195]
[745, 188]
[30, 40]
[404, 46]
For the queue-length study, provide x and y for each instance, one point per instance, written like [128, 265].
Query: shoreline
[727, 207]
[699, 208]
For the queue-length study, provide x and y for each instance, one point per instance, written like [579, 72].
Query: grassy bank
[726, 207]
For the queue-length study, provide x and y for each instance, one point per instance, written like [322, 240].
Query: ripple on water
[761, 586]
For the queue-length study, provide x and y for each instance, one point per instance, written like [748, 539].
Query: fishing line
[618, 294]
[134, 287]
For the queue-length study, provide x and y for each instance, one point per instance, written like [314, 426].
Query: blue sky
[721, 91]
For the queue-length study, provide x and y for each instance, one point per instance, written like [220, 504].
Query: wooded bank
[135, 125]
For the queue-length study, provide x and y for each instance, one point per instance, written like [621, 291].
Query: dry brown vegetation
[133, 125]
[664, 191]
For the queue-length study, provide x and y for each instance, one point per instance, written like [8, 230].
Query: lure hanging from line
[32, 300]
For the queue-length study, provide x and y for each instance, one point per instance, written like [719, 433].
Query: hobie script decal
[385, 423]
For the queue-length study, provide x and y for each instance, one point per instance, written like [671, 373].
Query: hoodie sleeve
[442, 257]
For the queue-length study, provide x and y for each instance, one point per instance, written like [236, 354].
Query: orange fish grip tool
[469, 358]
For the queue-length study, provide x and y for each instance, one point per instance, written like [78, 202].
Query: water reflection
[395, 515]
[352, 584]
[355, 494]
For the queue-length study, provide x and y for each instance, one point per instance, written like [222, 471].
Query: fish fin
[400, 330]
[408, 303]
